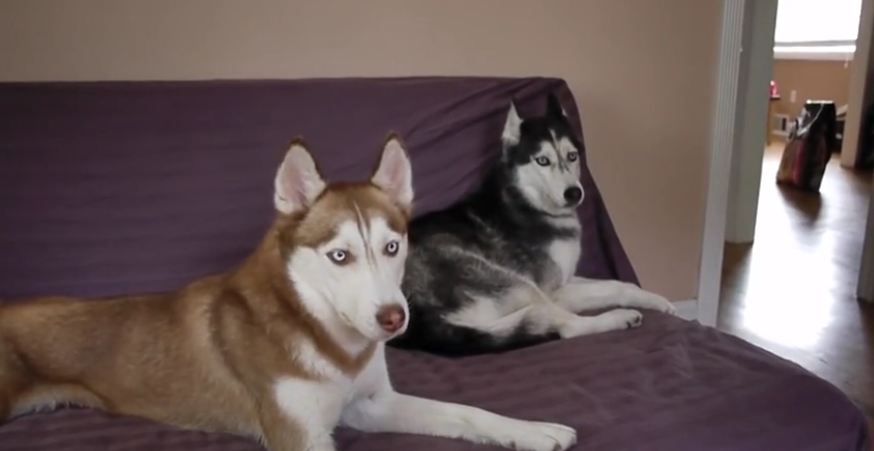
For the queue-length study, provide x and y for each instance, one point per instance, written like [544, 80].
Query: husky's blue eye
[572, 156]
[543, 161]
[338, 256]
[391, 249]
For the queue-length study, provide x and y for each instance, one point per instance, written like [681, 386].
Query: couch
[133, 187]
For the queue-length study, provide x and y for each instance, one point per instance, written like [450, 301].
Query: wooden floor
[793, 290]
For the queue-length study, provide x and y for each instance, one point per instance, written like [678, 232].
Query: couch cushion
[119, 188]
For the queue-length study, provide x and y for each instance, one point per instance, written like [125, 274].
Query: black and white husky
[496, 271]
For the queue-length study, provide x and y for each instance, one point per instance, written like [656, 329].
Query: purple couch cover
[111, 188]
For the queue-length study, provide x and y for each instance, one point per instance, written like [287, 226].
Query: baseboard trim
[687, 309]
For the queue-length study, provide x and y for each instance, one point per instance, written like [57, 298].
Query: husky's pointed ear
[553, 107]
[512, 127]
[394, 175]
[298, 181]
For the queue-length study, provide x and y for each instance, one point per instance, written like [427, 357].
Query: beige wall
[826, 80]
[643, 73]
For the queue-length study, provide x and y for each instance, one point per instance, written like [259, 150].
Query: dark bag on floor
[810, 145]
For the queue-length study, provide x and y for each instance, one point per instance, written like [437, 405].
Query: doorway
[791, 264]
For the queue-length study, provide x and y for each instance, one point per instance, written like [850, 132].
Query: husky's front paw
[625, 318]
[640, 298]
[654, 301]
[671, 309]
[616, 319]
[540, 436]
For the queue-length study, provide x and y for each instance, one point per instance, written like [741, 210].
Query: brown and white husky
[282, 349]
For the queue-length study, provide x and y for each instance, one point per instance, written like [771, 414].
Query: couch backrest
[130, 187]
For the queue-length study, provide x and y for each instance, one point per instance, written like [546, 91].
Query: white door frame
[721, 147]
[866, 272]
[751, 126]
[859, 89]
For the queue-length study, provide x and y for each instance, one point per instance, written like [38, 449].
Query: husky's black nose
[391, 318]
[573, 195]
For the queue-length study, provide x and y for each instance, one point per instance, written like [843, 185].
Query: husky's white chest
[565, 253]
[319, 404]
